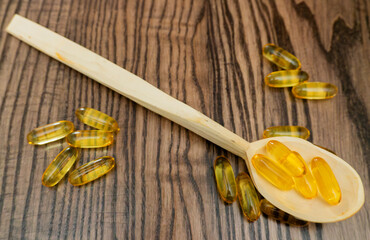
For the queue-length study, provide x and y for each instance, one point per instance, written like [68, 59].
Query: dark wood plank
[205, 53]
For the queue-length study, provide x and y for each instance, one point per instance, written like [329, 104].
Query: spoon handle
[125, 83]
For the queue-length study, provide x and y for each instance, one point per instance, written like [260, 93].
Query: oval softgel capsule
[50, 133]
[314, 90]
[287, 78]
[225, 179]
[97, 119]
[91, 170]
[280, 57]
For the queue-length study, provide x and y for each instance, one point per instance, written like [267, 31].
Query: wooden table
[205, 53]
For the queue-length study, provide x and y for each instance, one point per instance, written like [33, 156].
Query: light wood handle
[125, 83]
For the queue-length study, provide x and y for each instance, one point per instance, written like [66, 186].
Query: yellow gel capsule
[248, 198]
[280, 57]
[326, 182]
[225, 179]
[290, 131]
[314, 90]
[294, 166]
[90, 139]
[61, 164]
[97, 119]
[279, 215]
[305, 184]
[287, 78]
[50, 133]
[91, 170]
[273, 172]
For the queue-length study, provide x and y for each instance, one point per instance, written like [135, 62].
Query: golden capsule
[287, 78]
[294, 166]
[280, 57]
[50, 133]
[326, 182]
[314, 90]
[225, 179]
[97, 119]
[305, 184]
[61, 164]
[91, 171]
[248, 198]
[272, 171]
[290, 131]
[90, 139]
[279, 215]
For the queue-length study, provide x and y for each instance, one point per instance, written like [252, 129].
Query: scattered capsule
[248, 198]
[287, 78]
[326, 182]
[225, 179]
[90, 139]
[279, 215]
[273, 172]
[50, 133]
[314, 90]
[294, 166]
[305, 184]
[97, 119]
[280, 57]
[91, 170]
[327, 149]
[290, 131]
[61, 164]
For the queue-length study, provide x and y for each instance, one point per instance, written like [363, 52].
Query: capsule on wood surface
[91, 170]
[61, 164]
[90, 139]
[248, 198]
[314, 90]
[280, 57]
[225, 179]
[97, 119]
[50, 133]
[287, 78]
[289, 131]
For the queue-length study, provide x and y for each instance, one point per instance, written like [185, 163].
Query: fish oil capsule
[290, 131]
[50, 133]
[279, 215]
[61, 164]
[294, 166]
[225, 179]
[314, 90]
[91, 170]
[97, 119]
[273, 172]
[280, 57]
[305, 184]
[287, 78]
[90, 139]
[248, 198]
[326, 182]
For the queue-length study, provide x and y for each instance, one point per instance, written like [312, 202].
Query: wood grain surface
[206, 53]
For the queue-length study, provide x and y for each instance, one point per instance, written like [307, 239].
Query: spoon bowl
[312, 210]
[143, 93]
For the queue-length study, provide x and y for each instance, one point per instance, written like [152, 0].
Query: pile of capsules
[294, 173]
[64, 161]
[292, 76]
[242, 188]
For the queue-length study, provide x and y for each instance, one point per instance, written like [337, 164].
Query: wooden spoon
[140, 91]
